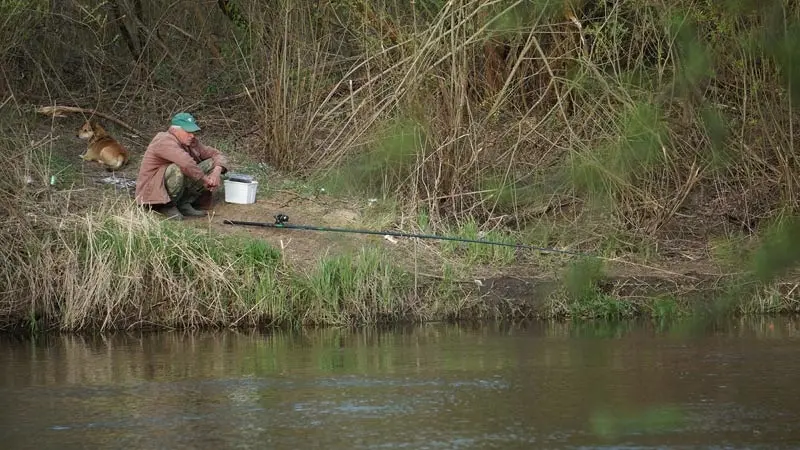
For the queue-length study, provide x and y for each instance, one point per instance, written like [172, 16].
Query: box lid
[240, 178]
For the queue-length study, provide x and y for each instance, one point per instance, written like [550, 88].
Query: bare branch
[60, 111]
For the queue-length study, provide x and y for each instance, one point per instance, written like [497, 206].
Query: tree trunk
[123, 30]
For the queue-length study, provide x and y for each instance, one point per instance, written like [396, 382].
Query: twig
[59, 111]
[44, 141]
[6, 101]
[247, 92]
[645, 266]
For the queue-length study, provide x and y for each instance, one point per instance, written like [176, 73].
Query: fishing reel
[281, 219]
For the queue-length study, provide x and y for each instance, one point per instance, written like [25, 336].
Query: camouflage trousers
[182, 189]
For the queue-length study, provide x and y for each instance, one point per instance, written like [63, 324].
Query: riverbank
[120, 268]
[81, 257]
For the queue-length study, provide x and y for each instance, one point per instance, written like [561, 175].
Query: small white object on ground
[120, 182]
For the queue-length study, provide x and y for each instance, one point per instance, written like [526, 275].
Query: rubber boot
[169, 211]
[187, 209]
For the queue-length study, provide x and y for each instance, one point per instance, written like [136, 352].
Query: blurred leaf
[779, 252]
[718, 132]
[609, 424]
[786, 51]
[582, 276]
[695, 55]
[385, 165]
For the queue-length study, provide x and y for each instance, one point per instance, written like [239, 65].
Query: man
[177, 170]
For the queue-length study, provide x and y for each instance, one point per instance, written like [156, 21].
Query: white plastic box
[241, 193]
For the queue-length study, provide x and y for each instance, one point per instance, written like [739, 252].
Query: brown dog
[102, 147]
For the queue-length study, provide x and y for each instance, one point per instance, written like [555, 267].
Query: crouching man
[178, 172]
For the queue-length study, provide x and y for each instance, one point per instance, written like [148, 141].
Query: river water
[544, 385]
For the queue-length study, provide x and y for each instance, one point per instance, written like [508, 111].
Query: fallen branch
[247, 92]
[59, 111]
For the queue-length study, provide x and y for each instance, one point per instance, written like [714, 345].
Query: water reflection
[553, 385]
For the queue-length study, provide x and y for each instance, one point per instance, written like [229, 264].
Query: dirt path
[300, 246]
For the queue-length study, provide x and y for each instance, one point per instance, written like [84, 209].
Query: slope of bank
[81, 256]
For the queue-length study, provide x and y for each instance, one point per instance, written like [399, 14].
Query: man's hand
[212, 180]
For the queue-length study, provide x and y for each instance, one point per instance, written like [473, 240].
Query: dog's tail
[118, 161]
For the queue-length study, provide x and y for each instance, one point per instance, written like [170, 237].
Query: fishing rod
[282, 219]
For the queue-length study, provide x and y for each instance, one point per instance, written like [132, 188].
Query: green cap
[185, 121]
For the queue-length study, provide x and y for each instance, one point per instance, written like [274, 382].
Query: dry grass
[118, 267]
[640, 116]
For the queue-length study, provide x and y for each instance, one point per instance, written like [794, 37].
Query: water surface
[548, 385]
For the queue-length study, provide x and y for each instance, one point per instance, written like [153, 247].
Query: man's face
[186, 138]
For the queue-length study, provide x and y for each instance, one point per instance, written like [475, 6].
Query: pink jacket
[164, 150]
